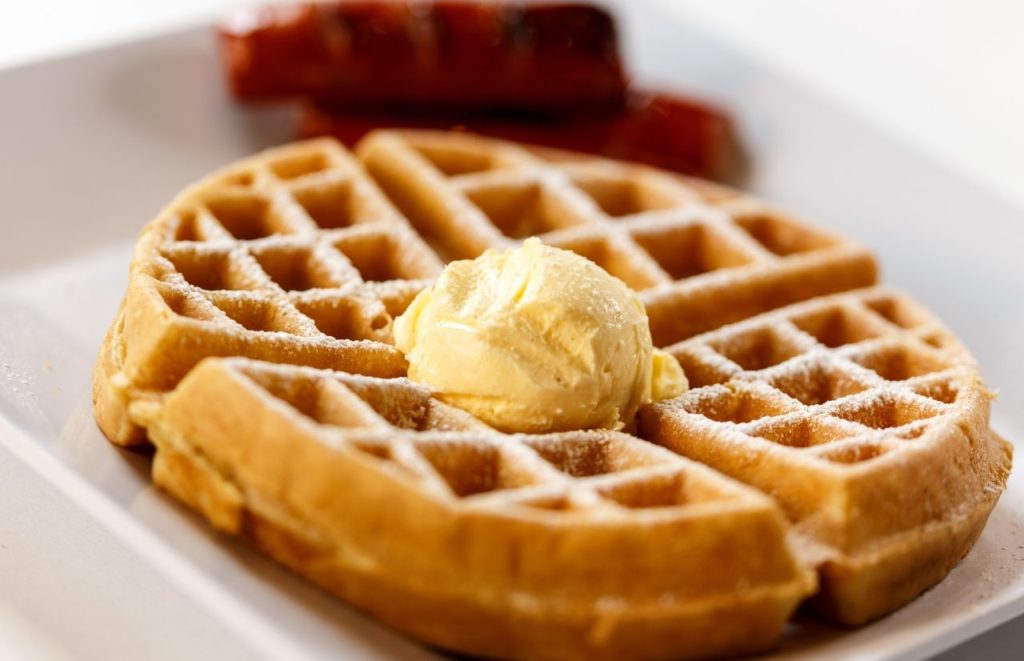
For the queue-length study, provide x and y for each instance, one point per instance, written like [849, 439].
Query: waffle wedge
[254, 350]
[291, 256]
[866, 420]
[574, 545]
[700, 255]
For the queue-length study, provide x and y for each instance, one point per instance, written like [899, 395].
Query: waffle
[293, 255]
[866, 420]
[254, 350]
[572, 545]
[699, 255]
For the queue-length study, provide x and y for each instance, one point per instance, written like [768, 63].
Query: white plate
[92, 146]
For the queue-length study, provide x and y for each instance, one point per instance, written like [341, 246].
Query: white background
[943, 74]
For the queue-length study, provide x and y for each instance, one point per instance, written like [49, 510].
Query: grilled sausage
[446, 54]
[663, 130]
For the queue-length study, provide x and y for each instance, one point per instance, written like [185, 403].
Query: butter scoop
[536, 339]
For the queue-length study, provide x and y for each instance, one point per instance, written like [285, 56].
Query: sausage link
[363, 54]
[667, 131]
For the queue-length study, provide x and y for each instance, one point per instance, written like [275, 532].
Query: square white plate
[93, 145]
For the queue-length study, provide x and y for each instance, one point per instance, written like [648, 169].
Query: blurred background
[944, 74]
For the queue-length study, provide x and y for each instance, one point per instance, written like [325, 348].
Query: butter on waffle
[866, 420]
[572, 545]
[699, 255]
[292, 255]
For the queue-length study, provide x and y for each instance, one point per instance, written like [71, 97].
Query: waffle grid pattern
[844, 381]
[665, 236]
[482, 542]
[398, 424]
[296, 255]
[298, 244]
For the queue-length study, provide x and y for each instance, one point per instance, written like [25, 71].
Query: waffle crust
[835, 444]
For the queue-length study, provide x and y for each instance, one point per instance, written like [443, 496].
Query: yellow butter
[536, 339]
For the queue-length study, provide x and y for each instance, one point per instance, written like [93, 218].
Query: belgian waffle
[579, 544]
[866, 420]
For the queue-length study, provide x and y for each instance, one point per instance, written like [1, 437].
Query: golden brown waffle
[292, 255]
[866, 420]
[858, 413]
[699, 255]
[572, 545]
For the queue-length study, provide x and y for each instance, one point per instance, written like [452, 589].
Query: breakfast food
[442, 54]
[535, 340]
[866, 420]
[656, 128]
[295, 255]
[537, 72]
[575, 545]
[699, 255]
[255, 350]
[291, 256]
